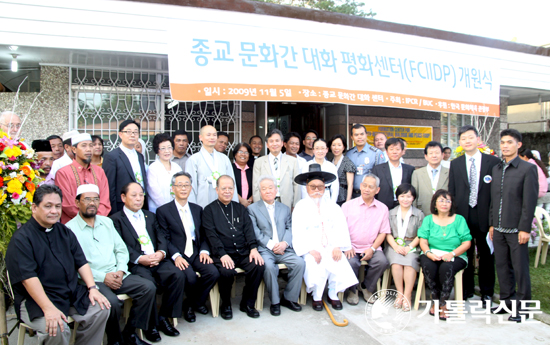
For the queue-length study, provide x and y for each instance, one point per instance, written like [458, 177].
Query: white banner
[224, 61]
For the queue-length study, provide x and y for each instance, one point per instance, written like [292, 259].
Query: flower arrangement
[482, 147]
[18, 182]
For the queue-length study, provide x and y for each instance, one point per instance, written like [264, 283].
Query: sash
[212, 163]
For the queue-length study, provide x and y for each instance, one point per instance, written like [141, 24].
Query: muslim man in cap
[44, 157]
[80, 172]
[108, 258]
[320, 235]
[68, 156]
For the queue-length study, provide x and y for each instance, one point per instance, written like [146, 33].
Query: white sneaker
[353, 298]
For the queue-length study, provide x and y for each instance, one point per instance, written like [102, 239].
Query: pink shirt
[365, 223]
[244, 181]
[543, 183]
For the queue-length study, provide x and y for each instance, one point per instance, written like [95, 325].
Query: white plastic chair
[544, 239]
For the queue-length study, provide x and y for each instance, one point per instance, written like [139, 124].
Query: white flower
[13, 174]
[29, 153]
[15, 166]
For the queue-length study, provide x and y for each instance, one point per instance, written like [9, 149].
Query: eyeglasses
[182, 186]
[90, 200]
[444, 201]
[12, 125]
[311, 138]
[169, 148]
[130, 132]
[227, 189]
[243, 153]
[317, 187]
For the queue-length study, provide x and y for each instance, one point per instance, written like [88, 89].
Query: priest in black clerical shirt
[44, 259]
[231, 237]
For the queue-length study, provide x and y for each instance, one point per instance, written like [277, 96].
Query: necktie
[276, 164]
[434, 172]
[187, 225]
[473, 184]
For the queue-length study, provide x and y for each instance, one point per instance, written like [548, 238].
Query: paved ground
[311, 327]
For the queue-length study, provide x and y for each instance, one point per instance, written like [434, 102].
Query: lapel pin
[487, 179]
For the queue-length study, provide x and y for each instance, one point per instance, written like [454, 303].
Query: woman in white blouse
[320, 150]
[159, 175]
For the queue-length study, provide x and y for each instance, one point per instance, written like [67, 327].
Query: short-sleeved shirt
[445, 238]
[54, 257]
[364, 161]
[366, 222]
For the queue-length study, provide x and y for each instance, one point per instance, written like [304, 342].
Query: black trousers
[197, 289]
[486, 273]
[253, 277]
[143, 294]
[169, 280]
[440, 276]
[512, 262]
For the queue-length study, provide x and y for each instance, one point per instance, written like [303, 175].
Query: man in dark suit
[147, 247]
[180, 222]
[124, 165]
[470, 185]
[514, 193]
[392, 173]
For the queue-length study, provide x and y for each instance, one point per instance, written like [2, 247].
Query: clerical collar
[40, 227]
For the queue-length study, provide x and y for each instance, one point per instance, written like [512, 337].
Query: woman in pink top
[527, 156]
[243, 173]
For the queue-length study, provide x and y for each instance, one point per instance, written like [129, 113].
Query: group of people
[184, 223]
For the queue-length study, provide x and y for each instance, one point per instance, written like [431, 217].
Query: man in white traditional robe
[205, 167]
[320, 235]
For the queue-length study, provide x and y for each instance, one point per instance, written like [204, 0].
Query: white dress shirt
[137, 219]
[430, 175]
[396, 176]
[185, 209]
[477, 162]
[132, 155]
[159, 182]
[276, 174]
[275, 238]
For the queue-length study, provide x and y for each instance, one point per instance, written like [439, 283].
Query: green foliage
[9, 217]
[350, 7]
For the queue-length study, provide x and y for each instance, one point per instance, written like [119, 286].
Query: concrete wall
[528, 112]
[50, 113]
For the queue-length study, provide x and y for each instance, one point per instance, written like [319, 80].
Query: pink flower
[15, 196]
[12, 158]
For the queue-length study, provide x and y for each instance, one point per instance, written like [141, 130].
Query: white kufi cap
[80, 137]
[70, 134]
[87, 188]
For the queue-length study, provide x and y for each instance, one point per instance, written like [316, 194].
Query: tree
[350, 7]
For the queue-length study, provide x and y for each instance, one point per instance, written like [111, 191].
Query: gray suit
[289, 190]
[422, 182]
[264, 233]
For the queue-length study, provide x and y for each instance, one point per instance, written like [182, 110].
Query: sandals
[442, 314]
[406, 307]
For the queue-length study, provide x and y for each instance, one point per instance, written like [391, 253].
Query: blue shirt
[364, 161]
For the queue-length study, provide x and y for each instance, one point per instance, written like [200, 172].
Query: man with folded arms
[181, 223]
[44, 260]
[320, 234]
[231, 237]
[108, 257]
[147, 247]
[272, 223]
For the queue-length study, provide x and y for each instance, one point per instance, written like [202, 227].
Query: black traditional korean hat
[314, 173]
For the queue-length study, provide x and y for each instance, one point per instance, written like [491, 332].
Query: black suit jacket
[385, 195]
[238, 181]
[171, 226]
[119, 172]
[519, 195]
[129, 235]
[459, 187]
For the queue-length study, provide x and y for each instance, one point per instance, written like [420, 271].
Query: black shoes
[290, 305]
[251, 312]
[226, 313]
[152, 335]
[317, 305]
[275, 309]
[189, 315]
[133, 339]
[336, 304]
[201, 310]
[517, 318]
[166, 327]
[501, 311]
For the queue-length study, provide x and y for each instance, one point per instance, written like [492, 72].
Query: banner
[416, 137]
[231, 61]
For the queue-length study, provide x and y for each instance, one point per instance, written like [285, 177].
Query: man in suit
[470, 185]
[124, 165]
[147, 247]
[282, 167]
[514, 193]
[430, 178]
[272, 223]
[181, 223]
[392, 173]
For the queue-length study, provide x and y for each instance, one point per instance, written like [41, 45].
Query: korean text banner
[227, 61]
[416, 137]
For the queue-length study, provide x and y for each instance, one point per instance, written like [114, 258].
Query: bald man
[205, 167]
[10, 123]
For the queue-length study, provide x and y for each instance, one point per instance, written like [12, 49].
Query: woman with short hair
[159, 175]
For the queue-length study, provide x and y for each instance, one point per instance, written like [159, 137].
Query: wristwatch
[93, 287]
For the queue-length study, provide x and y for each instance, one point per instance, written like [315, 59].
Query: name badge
[360, 170]
[487, 179]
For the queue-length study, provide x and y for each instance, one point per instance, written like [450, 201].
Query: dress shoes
[226, 312]
[317, 305]
[201, 310]
[275, 309]
[517, 318]
[366, 294]
[336, 304]
[133, 339]
[487, 298]
[152, 335]
[290, 305]
[353, 298]
[166, 327]
[501, 311]
[468, 295]
[189, 315]
[251, 312]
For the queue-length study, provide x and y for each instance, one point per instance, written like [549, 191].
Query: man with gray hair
[368, 224]
[273, 228]
[10, 123]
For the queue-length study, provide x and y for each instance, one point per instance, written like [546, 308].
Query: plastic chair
[544, 239]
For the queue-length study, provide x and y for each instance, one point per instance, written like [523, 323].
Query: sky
[524, 21]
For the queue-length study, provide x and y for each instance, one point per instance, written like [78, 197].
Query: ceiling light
[14, 48]
[14, 64]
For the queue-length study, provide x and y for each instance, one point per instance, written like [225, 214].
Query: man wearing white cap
[79, 172]
[108, 258]
[67, 157]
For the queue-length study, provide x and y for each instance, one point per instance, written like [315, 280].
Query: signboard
[416, 137]
[212, 60]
